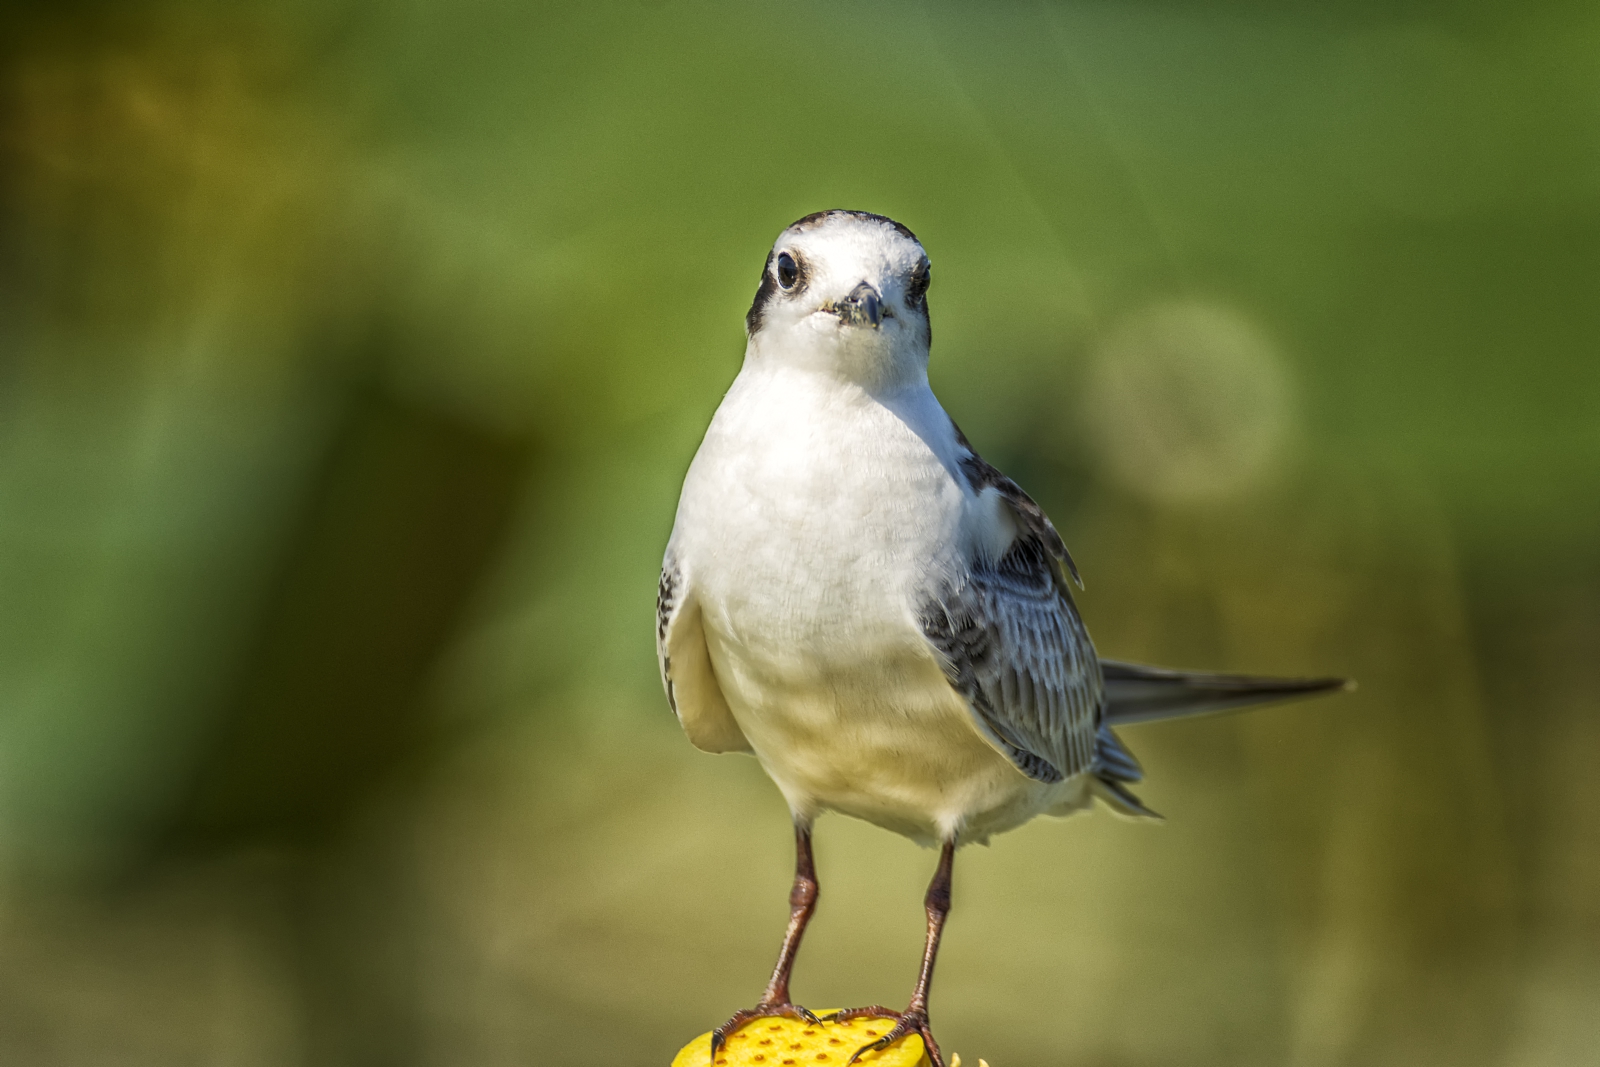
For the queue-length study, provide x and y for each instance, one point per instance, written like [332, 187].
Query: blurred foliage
[350, 356]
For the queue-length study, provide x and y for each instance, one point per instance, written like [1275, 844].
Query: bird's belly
[870, 727]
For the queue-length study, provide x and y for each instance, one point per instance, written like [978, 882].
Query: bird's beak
[863, 307]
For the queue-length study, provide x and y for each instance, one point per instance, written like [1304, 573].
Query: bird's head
[844, 291]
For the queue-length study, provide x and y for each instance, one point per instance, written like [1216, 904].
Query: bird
[883, 619]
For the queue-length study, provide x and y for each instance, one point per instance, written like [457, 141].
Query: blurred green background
[351, 354]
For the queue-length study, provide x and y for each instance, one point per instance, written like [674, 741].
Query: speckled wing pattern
[668, 591]
[1013, 644]
[685, 663]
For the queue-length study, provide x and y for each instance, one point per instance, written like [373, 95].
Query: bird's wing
[686, 673]
[982, 475]
[1012, 644]
[1011, 641]
[1136, 693]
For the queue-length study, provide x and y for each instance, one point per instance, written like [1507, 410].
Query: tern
[885, 621]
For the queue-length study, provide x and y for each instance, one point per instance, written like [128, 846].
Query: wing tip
[1312, 685]
[1072, 567]
[1137, 693]
[1122, 800]
[1306, 687]
[1122, 670]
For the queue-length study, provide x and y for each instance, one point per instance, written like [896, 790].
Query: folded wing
[685, 662]
[1011, 641]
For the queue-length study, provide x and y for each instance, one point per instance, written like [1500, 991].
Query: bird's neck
[872, 363]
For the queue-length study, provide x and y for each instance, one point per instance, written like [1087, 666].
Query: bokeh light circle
[1186, 402]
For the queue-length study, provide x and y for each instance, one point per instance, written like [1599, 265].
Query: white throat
[879, 362]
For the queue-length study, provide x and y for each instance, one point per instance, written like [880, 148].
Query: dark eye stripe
[764, 294]
[773, 274]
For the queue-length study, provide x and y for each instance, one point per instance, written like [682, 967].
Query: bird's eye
[788, 270]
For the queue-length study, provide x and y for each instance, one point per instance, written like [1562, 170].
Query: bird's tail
[1136, 693]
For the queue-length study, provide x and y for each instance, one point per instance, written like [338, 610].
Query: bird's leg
[802, 903]
[915, 1018]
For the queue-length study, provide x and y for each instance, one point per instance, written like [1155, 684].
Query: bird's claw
[911, 1021]
[719, 1036]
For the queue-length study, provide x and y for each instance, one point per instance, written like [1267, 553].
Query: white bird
[882, 618]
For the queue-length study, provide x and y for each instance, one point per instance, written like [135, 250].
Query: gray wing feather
[1013, 644]
[1035, 523]
[1137, 693]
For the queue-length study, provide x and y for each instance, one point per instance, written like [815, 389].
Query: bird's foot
[910, 1021]
[785, 1010]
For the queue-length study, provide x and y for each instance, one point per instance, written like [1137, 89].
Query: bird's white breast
[813, 522]
[816, 512]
